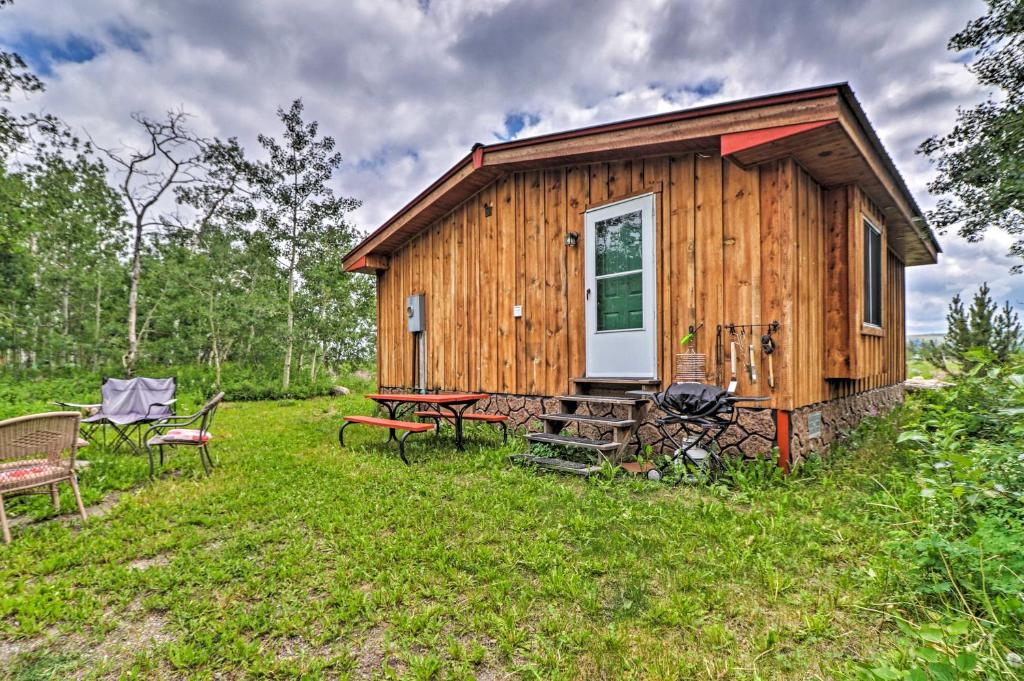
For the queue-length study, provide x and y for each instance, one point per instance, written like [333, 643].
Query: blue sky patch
[515, 122]
[705, 88]
[964, 57]
[383, 157]
[41, 52]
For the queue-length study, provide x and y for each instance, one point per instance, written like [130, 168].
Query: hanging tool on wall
[691, 335]
[732, 357]
[741, 337]
[751, 364]
[718, 355]
[768, 348]
[738, 332]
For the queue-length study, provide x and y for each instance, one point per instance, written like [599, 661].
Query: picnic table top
[428, 398]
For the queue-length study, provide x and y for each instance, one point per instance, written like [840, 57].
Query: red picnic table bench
[448, 406]
[437, 416]
[391, 424]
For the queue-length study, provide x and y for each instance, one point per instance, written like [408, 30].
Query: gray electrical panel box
[415, 311]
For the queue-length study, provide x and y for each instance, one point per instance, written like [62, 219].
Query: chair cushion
[181, 435]
[23, 473]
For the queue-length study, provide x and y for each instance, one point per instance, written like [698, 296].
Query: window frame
[873, 278]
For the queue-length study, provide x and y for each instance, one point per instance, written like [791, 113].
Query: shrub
[966, 520]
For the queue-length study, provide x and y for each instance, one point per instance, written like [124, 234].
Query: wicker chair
[32, 455]
[173, 431]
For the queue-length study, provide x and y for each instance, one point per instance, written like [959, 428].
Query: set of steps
[610, 412]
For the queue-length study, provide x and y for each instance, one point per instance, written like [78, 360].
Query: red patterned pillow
[186, 435]
[19, 473]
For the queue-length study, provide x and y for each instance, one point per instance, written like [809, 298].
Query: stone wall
[752, 435]
[839, 417]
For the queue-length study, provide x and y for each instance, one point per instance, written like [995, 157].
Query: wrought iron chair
[32, 455]
[173, 431]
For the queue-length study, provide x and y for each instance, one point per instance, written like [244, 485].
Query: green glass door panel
[620, 302]
[617, 244]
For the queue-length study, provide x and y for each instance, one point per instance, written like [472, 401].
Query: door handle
[588, 294]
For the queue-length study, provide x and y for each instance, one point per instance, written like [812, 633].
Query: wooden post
[783, 434]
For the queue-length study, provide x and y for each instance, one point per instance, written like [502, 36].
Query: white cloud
[406, 92]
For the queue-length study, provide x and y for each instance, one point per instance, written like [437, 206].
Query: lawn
[298, 559]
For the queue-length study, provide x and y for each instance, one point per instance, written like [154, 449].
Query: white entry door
[620, 298]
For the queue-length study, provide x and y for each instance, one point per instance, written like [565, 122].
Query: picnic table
[454, 404]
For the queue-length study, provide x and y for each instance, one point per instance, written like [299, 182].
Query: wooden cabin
[573, 263]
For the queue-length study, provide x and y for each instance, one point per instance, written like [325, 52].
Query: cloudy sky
[407, 87]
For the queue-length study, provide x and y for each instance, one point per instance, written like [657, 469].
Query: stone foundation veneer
[839, 417]
[753, 435]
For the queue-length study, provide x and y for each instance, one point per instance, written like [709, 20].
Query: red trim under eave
[357, 265]
[739, 141]
[782, 438]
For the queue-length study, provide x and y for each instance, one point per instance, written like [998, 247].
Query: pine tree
[1006, 333]
[984, 326]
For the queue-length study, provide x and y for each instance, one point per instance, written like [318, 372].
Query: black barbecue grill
[699, 414]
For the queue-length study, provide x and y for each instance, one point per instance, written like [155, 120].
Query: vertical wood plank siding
[733, 245]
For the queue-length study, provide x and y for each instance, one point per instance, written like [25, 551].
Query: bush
[966, 520]
[27, 391]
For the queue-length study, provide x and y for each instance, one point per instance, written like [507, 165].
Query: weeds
[958, 520]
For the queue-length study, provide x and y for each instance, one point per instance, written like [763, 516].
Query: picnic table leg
[392, 410]
[341, 433]
[401, 446]
[457, 413]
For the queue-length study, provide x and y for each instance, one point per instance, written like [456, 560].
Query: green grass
[298, 559]
[922, 368]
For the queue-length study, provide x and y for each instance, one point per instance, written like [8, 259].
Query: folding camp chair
[128, 405]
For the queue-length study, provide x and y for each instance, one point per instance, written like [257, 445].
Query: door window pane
[618, 242]
[620, 302]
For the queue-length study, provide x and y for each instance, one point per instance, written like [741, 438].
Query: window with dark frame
[872, 275]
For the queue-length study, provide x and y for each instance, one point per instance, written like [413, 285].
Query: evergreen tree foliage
[983, 326]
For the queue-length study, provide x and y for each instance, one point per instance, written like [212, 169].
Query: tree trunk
[99, 321]
[287, 378]
[312, 364]
[215, 345]
[37, 284]
[133, 302]
[66, 310]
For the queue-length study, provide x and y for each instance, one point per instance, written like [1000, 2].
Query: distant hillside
[921, 338]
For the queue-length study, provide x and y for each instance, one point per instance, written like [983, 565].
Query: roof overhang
[836, 152]
[803, 124]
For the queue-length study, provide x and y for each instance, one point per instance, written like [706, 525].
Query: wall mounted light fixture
[571, 238]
